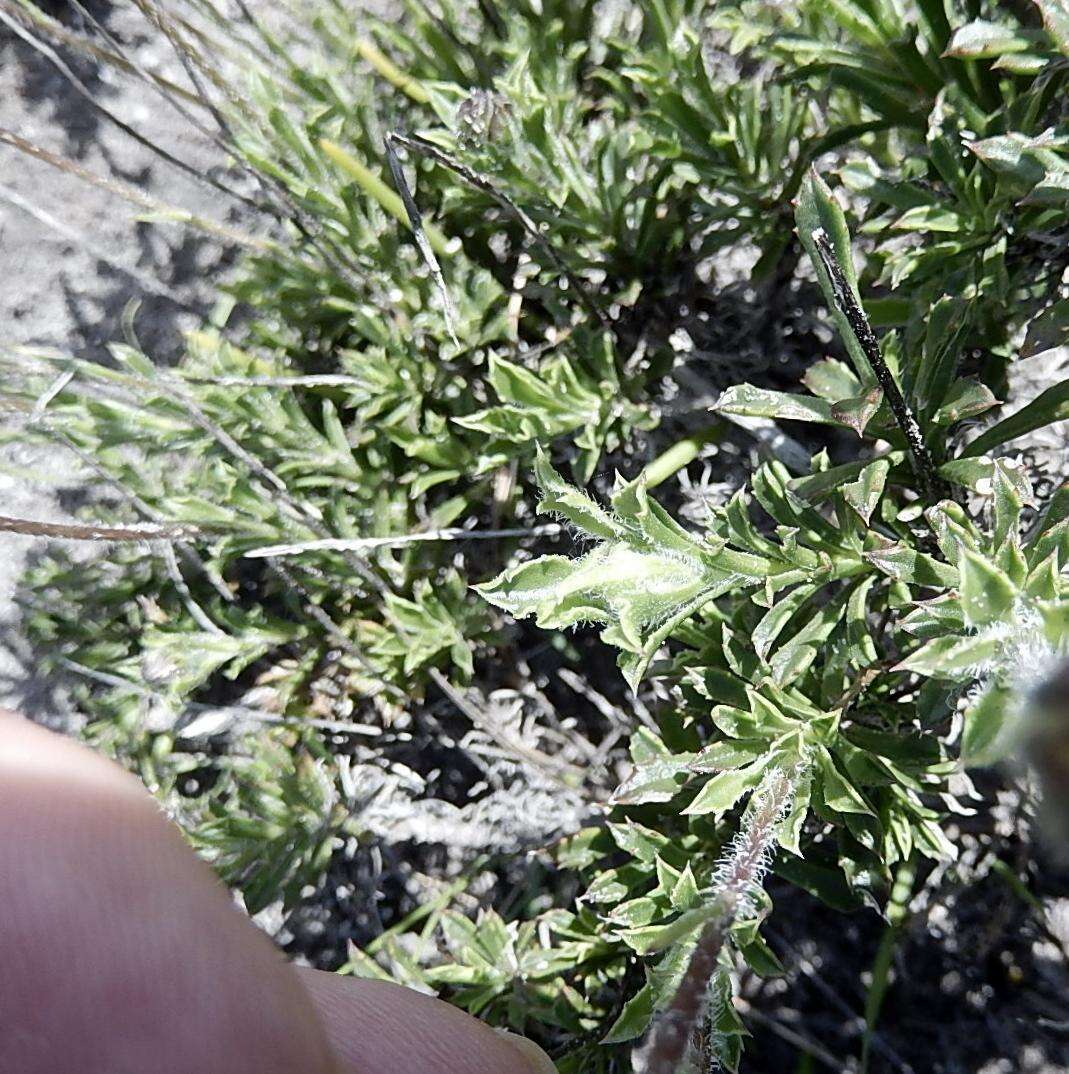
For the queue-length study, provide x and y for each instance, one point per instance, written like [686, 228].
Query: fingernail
[535, 1060]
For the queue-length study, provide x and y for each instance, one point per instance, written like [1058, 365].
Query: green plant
[336, 474]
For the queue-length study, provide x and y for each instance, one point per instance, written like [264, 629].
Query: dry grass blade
[13, 23]
[98, 531]
[425, 148]
[367, 544]
[33, 17]
[132, 194]
[415, 219]
[147, 283]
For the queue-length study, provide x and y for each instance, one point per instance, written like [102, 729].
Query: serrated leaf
[560, 498]
[654, 780]
[645, 579]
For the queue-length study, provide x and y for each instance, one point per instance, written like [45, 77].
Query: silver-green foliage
[824, 628]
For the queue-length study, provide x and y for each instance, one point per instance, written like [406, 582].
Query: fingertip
[536, 1058]
[376, 1027]
[120, 951]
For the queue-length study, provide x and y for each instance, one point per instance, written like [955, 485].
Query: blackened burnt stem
[930, 484]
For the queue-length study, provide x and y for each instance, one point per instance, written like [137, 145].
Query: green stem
[393, 74]
[378, 191]
[681, 454]
[897, 910]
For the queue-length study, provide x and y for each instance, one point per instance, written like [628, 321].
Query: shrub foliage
[502, 258]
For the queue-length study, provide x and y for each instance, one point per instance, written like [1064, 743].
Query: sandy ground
[74, 258]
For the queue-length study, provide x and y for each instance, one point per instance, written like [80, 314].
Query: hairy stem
[735, 881]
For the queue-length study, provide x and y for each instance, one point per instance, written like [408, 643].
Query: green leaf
[966, 399]
[974, 474]
[635, 1017]
[832, 380]
[952, 657]
[864, 494]
[1055, 617]
[777, 617]
[654, 780]
[725, 789]
[903, 563]
[857, 412]
[1056, 22]
[761, 958]
[837, 792]
[789, 832]
[1047, 330]
[987, 595]
[1016, 156]
[988, 732]
[1011, 490]
[981, 40]
[763, 403]
[561, 499]
[1047, 408]
[945, 323]
[536, 406]
[641, 582]
[926, 218]
[816, 209]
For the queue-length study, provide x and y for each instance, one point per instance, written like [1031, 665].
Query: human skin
[121, 953]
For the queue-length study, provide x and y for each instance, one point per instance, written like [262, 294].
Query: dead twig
[97, 531]
[367, 544]
[927, 476]
[423, 147]
[415, 219]
[132, 194]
